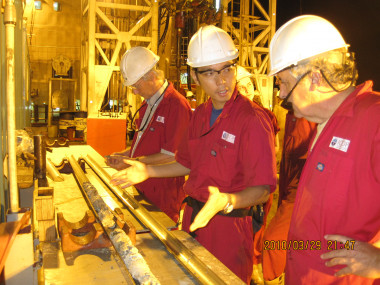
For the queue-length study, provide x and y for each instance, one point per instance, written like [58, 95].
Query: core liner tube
[53, 172]
[191, 262]
[129, 254]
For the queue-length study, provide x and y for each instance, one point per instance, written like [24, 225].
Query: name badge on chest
[228, 137]
[339, 144]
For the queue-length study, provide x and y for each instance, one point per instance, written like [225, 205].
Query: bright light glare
[38, 5]
[57, 6]
[217, 5]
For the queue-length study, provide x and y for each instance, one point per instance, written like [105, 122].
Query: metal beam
[252, 31]
[125, 31]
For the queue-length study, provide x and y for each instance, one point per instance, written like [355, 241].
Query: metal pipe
[91, 78]
[40, 154]
[79, 174]
[40, 163]
[193, 264]
[50, 115]
[53, 172]
[224, 6]
[154, 43]
[10, 23]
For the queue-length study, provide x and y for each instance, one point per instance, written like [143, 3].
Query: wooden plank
[44, 203]
[24, 176]
[47, 230]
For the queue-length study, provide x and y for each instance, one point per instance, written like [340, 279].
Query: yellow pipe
[10, 23]
[53, 172]
[154, 44]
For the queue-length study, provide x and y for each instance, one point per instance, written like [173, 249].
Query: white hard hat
[210, 45]
[301, 38]
[242, 73]
[135, 63]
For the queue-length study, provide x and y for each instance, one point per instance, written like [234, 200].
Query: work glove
[136, 173]
[216, 202]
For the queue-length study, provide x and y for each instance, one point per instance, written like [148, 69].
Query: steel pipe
[10, 23]
[191, 262]
[53, 172]
[40, 154]
[155, 27]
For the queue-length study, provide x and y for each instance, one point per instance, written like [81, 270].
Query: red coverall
[164, 131]
[259, 235]
[236, 152]
[339, 191]
[297, 136]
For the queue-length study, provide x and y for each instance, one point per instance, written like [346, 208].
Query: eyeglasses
[136, 85]
[285, 104]
[225, 71]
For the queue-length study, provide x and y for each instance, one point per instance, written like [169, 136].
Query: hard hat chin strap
[288, 105]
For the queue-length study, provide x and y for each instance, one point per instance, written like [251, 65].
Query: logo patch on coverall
[339, 144]
[160, 119]
[320, 166]
[228, 137]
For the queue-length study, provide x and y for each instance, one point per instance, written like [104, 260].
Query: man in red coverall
[228, 153]
[245, 87]
[298, 134]
[164, 118]
[338, 192]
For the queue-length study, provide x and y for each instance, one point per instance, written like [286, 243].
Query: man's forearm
[250, 196]
[125, 152]
[156, 158]
[172, 169]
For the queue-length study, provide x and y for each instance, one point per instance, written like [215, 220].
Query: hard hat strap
[288, 105]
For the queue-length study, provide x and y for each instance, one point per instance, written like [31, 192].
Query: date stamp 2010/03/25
[307, 245]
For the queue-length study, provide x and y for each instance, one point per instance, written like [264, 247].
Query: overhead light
[57, 6]
[38, 5]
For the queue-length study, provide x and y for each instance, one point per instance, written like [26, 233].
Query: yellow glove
[216, 202]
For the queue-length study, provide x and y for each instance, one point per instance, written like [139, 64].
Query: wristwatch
[229, 207]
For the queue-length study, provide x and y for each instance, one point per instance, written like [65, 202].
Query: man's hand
[362, 260]
[136, 173]
[116, 161]
[215, 203]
